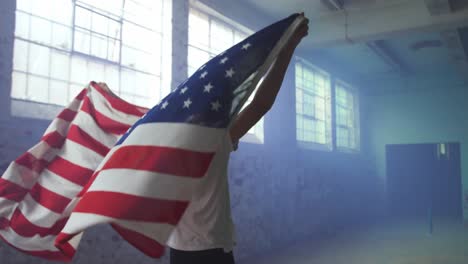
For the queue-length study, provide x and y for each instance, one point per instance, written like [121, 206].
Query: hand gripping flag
[144, 183]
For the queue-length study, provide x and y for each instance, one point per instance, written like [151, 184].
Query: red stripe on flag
[131, 207]
[165, 160]
[120, 104]
[67, 115]
[12, 191]
[54, 139]
[70, 171]
[49, 199]
[47, 254]
[22, 226]
[104, 122]
[29, 161]
[82, 94]
[79, 136]
[147, 245]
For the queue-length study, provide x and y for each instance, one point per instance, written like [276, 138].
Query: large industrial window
[211, 33]
[61, 45]
[313, 106]
[347, 117]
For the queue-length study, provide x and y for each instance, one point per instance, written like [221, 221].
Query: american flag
[144, 183]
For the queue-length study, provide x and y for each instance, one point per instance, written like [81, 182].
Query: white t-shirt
[207, 222]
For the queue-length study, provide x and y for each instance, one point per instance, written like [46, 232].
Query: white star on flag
[183, 90]
[230, 73]
[246, 46]
[215, 106]
[187, 103]
[224, 60]
[203, 74]
[164, 105]
[208, 88]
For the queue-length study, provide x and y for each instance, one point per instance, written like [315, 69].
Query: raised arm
[268, 88]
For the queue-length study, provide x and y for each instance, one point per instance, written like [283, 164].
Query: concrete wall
[419, 114]
[280, 193]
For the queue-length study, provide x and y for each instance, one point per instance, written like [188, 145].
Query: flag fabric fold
[39, 189]
[137, 174]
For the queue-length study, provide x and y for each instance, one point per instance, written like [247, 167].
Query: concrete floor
[398, 242]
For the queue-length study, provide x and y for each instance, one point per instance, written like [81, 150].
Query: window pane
[41, 7]
[133, 36]
[61, 36]
[19, 84]
[74, 91]
[113, 50]
[198, 29]
[82, 41]
[22, 25]
[112, 77]
[197, 57]
[39, 58]
[62, 11]
[42, 32]
[20, 56]
[83, 17]
[96, 71]
[113, 7]
[38, 89]
[99, 23]
[60, 65]
[79, 71]
[143, 13]
[221, 37]
[98, 46]
[128, 79]
[58, 92]
[113, 30]
[24, 5]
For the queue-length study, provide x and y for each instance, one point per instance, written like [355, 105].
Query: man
[205, 234]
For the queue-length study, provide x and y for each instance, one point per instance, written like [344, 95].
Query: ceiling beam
[437, 7]
[379, 47]
[381, 21]
[456, 51]
[451, 37]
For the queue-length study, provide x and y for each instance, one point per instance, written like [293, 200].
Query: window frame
[356, 117]
[70, 88]
[328, 121]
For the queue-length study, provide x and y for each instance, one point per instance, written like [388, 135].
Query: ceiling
[391, 40]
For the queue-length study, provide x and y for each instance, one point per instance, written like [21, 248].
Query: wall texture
[280, 194]
[419, 115]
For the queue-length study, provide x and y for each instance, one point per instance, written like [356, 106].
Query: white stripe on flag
[20, 175]
[86, 123]
[145, 184]
[104, 107]
[80, 221]
[43, 151]
[36, 213]
[6, 207]
[196, 138]
[59, 125]
[80, 155]
[24, 243]
[58, 184]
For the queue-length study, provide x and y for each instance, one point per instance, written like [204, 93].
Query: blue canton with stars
[214, 93]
